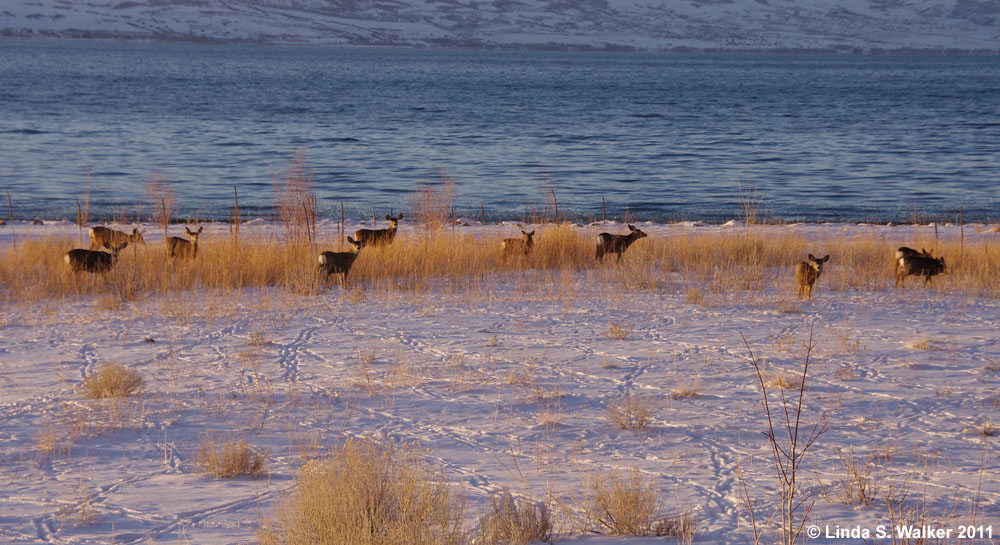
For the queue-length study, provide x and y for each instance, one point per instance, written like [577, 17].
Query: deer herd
[907, 261]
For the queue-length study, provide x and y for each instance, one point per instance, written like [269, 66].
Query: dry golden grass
[631, 412]
[229, 459]
[514, 522]
[367, 494]
[782, 379]
[715, 266]
[112, 380]
[682, 526]
[686, 389]
[623, 504]
[863, 479]
[618, 332]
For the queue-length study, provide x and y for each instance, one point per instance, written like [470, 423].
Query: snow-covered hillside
[844, 25]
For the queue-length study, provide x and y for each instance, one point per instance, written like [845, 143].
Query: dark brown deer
[102, 237]
[183, 248]
[340, 263]
[378, 237]
[807, 273]
[81, 260]
[920, 265]
[513, 246]
[616, 244]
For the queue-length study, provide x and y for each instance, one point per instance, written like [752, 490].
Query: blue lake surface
[661, 137]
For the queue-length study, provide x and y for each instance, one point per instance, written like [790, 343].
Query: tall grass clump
[296, 201]
[230, 458]
[514, 522]
[631, 412]
[431, 205]
[367, 494]
[623, 505]
[112, 380]
[161, 199]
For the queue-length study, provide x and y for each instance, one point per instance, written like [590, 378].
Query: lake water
[660, 137]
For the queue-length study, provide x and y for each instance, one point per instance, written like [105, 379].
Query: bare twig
[788, 455]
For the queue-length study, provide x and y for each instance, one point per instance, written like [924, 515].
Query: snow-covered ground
[506, 391]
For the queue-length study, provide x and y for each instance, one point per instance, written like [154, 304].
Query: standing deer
[93, 261]
[616, 244]
[807, 273]
[101, 237]
[339, 262]
[512, 246]
[183, 248]
[903, 251]
[378, 237]
[921, 265]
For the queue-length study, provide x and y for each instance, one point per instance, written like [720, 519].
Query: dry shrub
[618, 331]
[112, 380]
[623, 504]
[986, 428]
[680, 525]
[686, 389]
[431, 205]
[514, 522]
[228, 459]
[631, 412]
[367, 494]
[863, 479]
[47, 441]
[296, 201]
[783, 380]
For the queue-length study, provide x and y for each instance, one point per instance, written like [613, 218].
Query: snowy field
[505, 391]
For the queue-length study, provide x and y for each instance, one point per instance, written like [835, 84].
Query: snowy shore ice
[498, 392]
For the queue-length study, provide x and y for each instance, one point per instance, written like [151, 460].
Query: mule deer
[903, 251]
[101, 237]
[807, 273]
[378, 237]
[921, 265]
[512, 246]
[183, 248]
[339, 262]
[93, 261]
[616, 244]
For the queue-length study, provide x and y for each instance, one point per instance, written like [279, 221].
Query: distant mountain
[841, 25]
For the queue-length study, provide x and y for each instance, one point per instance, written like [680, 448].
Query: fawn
[807, 273]
[512, 246]
[339, 262]
[183, 248]
[93, 261]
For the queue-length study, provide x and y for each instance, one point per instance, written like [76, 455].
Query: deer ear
[811, 258]
[631, 227]
[826, 258]
[200, 229]
[531, 233]
[388, 217]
